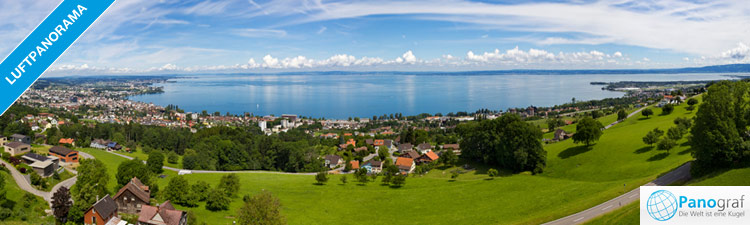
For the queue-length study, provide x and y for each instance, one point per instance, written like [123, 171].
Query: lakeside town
[47, 157]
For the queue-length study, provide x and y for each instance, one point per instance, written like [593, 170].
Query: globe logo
[661, 205]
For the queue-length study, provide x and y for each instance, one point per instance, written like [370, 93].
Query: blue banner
[45, 44]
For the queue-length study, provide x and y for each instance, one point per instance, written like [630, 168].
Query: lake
[364, 95]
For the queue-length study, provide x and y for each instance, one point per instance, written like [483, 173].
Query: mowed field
[576, 178]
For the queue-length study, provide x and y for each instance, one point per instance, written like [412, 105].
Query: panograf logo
[694, 205]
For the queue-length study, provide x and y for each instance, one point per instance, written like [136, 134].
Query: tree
[383, 152]
[647, 112]
[449, 157]
[230, 183]
[399, 180]
[321, 177]
[674, 133]
[492, 173]
[173, 158]
[217, 200]
[177, 190]
[92, 181]
[666, 144]
[507, 141]
[652, 137]
[343, 179]
[201, 189]
[61, 204]
[667, 109]
[454, 174]
[155, 161]
[718, 137]
[588, 131]
[361, 176]
[348, 166]
[621, 115]
[553, 123]
[133, 168]
[691, 104]
[596, 114]
[262, 209]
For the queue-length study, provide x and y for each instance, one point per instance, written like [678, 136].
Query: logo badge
[662, 205]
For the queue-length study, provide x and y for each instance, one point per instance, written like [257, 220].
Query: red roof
[401, 161]
[378, 142]
[431, 155]
[66, 141]
[355, 164]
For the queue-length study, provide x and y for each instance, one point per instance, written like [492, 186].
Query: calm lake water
[352, 95]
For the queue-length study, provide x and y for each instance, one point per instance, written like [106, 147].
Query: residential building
[428, 157]
[405, 147]
[17, 148]
[42, 165]
[331, 161]
[99, 144]
[379, 142]
[355, 164]
[132, 197]
[68, 141]
[113, 146]
[262, 125]
[3, 139]
[102, 212]
[424, 147]
[405, 165]
[164, 214]
[65, 154]
[290, 117]
[410, 154]
[560, 135]
[20, 138]
[373, 166]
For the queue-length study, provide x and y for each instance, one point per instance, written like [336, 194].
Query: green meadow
[34, 214]
[576, 178]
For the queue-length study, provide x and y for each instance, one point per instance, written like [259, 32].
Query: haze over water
[352, 95]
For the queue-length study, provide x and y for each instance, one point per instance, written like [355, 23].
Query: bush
[5, 213]
[217, 200]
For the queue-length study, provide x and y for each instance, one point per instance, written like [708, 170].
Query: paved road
[26, 186]
[682, 173]
[629, 115]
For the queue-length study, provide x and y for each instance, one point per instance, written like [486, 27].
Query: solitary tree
[399, 180]
[343, 179]
[647, 112]
[454, 174]
[217, 200]
[674, 133]
[492, 173]
[262, 209]
[667, 109]
[691, 104]
[321, 177]
[361, 176]
[621, 115]
[666, 144]
[61, 204]
[177, 190]
[588, 131]
[155, 161]
[230, 183]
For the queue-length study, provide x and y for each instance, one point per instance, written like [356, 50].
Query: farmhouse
[65, 154]
[560, 135]
[428, 157]
[164, 214]
[17, 148]
[132, 197]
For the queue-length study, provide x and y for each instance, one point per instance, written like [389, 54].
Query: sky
[192, 36]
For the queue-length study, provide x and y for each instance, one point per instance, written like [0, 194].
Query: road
[682, 173]
[26, 186]
[629, 115]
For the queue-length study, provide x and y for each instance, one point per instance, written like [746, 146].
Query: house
[378, 142]
[99, 144]
[65, 154]
[17, 148]
[388, 143]
[20, 138]
[102, 212]
[410, 154]
[428, 157]
[355, 164]
[113, 146]
[331, 161]
[405, 147]
[68, 141]
[451, 147]
[405, 165]
[42, 165]
[3, 139]
[369, 141]
[164, 214]
[424, 147]
[560, 135]
[363, 148]
[373, 166]
[351, 142]
[132, 197]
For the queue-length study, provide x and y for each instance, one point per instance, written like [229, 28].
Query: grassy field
[576, 178]
[625, 215]
[605, 120]
[34, 214]
[112, 161]
[143, 156]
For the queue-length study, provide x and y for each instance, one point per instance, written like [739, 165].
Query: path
[680, 174]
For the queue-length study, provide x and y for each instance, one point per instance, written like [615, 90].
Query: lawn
[52, 182]
[112, 161]
[605, 120]
[735, 177]
[630, 214]
[138, 152]
[576, 178]
[34, 214]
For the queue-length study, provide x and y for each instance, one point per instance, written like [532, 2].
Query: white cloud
[537, 56]
[739, 53]
[617, 54]
[254, 33]
[322, 29]
[407, 58]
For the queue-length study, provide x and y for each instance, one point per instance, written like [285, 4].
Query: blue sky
[192, 36]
